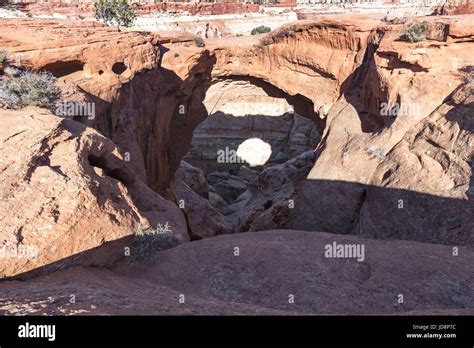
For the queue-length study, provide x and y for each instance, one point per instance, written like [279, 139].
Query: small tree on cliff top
[115, 12]
[260, 30]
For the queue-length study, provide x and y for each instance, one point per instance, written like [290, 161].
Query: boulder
[194, 178]
[228, 186]
[203, 219]
[217, 201]
[66, 190]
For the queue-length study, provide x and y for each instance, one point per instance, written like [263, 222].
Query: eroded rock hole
[119, 68]
[251, 153]
[60, 69]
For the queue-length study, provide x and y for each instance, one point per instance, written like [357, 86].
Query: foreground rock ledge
[270, 266]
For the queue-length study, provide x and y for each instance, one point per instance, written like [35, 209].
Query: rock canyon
[245, 156]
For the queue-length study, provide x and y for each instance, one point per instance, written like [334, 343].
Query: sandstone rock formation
[65, 190]
[347, 72]
[136, 99]
[358, 137]
[320, 56]
[435, 159]
[456, 7]
[226, 185]
[394, 162]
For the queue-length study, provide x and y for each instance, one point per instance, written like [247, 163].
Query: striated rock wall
[243, 109]
[396, 8]
[78, 7]
[212, 25]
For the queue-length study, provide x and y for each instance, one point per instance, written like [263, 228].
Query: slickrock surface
[271, 265]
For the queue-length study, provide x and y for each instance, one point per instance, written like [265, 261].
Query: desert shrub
[30, 88]
[3, 56]
[199, 41]
[415, 32]
[148, 240]
[260, 30]
[7, 98]
[10, 71]
[115, 12]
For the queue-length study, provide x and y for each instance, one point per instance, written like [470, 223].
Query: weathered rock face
[319, 56]
[79, 7]
[136, 98]
[398, 8]
[345, 72]
[65, 190]
[348, 71]
[434, 158]
[214, 25]
[359, 137]
[399, 171]
[138, 104]
[227, 186]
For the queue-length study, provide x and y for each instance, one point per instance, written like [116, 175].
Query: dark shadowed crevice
[60, 69]
[116, 173]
